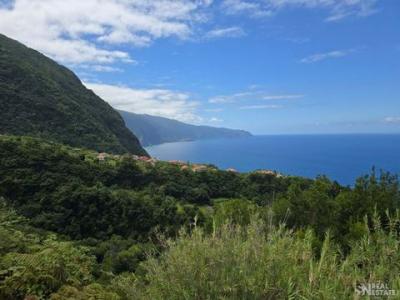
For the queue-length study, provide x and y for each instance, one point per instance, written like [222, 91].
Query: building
[266, 172]
[269, 172]
[199, 168]
[144, 158]
[102, 156]
[177, 162]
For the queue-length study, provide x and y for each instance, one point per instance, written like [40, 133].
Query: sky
[267, 66]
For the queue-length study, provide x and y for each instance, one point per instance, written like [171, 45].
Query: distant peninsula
[154, 130]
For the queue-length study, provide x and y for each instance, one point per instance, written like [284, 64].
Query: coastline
[342, 157]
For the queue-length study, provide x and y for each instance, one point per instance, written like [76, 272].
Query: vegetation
[75, 224]
[260, 261]
[255, 261]
[75, 227]
[36, 263]
[40, 98]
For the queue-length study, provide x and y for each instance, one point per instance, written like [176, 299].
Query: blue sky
[268, 66]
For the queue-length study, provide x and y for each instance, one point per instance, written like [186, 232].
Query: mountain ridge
[155, 130]
[42, 98]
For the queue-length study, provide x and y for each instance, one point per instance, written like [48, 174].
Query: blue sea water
[340, 157]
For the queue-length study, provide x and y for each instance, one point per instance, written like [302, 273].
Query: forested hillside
[73, 226]
[152, 130]
[40, 98]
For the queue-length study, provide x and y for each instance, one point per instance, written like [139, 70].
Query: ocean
[341, 157]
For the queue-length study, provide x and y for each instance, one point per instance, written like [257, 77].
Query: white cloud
[337, 9]
[100, 68]
[225, 32]
[252, 8]
[271, 106]
[214, 109]
[216, 120]
[81, 31]
[254, 86]
[252, 95]
[90, 31]
[392, 120]
[282, 97]
[327, 55]
[157, 102]
[232, 98]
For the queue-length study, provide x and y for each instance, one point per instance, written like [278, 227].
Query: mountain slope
[39, 97]
[152, 130]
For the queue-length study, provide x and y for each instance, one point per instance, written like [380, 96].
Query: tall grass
[262, 261]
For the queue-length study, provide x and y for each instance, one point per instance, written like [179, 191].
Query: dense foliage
[75, 227]
[37, 263]
[152, 130]
[254, 261]
[71, 192]
[38, 97]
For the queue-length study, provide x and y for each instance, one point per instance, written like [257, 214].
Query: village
[183, 165]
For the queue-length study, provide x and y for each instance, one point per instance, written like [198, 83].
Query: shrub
[261, 261]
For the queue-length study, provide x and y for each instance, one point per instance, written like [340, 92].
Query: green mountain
[152, 130]
[39, 97]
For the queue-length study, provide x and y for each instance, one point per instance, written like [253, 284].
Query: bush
[44, 270]
[266, 262]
